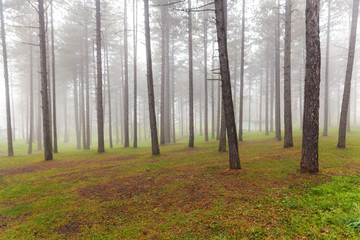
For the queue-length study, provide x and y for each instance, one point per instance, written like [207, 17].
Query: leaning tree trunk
[6, 75]
[326, 100]
[277, 76]
[44, 86]
[241, 101]
[99, 98]
[349, 69]
[288, 137]
[191, 88]
[309, 160]
[53, 79]
[152, 114]
[220, 11]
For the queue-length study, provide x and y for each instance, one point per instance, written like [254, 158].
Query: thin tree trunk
[31, 100]
[191, 89]
[76, 112]
[309, 160]
[109, 95]
[242, 60]
[222, 140]
[99, 107]
[163, 69]
[349, 69]
[205, 79]
[152, 114]
[288, 137]
[6, 76]
[126, 87]
[326, 103]
[277, 76]
[87, 78]
[267, 96]
[53, 78]
[135, 70]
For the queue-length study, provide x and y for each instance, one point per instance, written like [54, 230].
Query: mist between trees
[104, 74]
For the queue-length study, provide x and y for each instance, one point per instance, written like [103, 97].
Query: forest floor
[183, 193]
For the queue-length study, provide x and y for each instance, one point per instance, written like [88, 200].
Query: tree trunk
[126, 87]
[6, 75]
[135, 70]
[163, 69]
[212, 95]
[191, 89]
[31, 100]
[44, 86]
[349, 69]
[326, 100]
[288, 137]
[152, 114]
[53, 79]
[309, 161]
[87, 79]
[242, 60]
[99, 98]
[205, 80]
[220, 11]
[277, 76]
[109, 95]
[76, 111]
[222, 140]
[267, 95]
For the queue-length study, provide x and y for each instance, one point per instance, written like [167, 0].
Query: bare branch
[167, 4]
[33, 5]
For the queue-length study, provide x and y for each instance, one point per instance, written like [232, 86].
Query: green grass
[182, 194]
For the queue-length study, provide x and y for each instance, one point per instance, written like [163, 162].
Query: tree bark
[99, 98]
[220, 11]
[135, 71]
[309, 160]
[152, 114]
[288, 136]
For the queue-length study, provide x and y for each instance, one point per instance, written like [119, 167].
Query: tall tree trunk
[261, 95]
[212, 94]
[191, 89]
[173, 91]
[167, 82]
[44, 85]
[249, 115]
[31, 136]
[76, 112]
[349, 69]
[326, 100]
[220, 11]
[109, 95]
[205, 79]
[53, 78]
[267, 95]
[39, 119]
[6, 76]
[219, 108]
[242, 63]
[82, 101]
[309, 160]
[272, 90]
[99, 98]
[277, 76]
[288, 137]
[87, 79]
[66, 130]
[152, 114]
[126, 87]
[163, 69]
[135, 70]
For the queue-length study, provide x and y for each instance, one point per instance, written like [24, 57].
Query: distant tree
[53, 77]
[6, 76]
[288, 138]
[99, 97]
[220, 12]
[327, 58]
[309, 160]
[277, 75]
[31, 135]
[206, 78]
[135, 69]
[150, 85]
[126, 85]
[242, 60]
[344, 119]
[191, 88]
